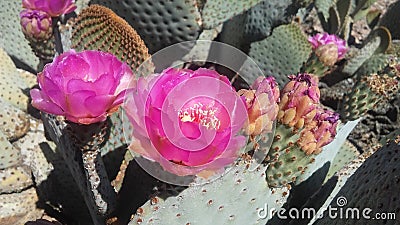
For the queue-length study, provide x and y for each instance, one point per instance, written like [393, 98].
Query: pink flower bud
[36, 24]
[299, 99]
[319, 132]
[262, 105]
[328, 47]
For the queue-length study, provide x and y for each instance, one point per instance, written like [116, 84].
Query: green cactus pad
[373, 65]
[291, 163]
[366, 93]
[283, 53]
[14, 122]
[323, 7]
[18, 208]
[15, 179]
[218, 11]
[9, 155]
[159, 23]
[263, 17]
[377, 42]
[232, 199]
[345, 155]
[374, 185]
[233, 32]
[12, 39]
[99, 28]
[284, 138]
[12, 87]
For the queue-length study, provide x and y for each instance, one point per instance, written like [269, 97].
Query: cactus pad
[99, 28]
[291, 163]
[11, 37]
[283, 53]
[217, 11]
[12, 86]
[15, 179]
[366, 93]
[14, 122]
[373, 185]
[9, 155]
[247, 193]
[262, 18]
[159, 23]
[345, 155]
[17, 208]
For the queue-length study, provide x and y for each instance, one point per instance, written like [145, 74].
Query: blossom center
[201, 114]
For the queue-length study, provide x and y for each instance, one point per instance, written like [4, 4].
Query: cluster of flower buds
[262, 105]
[299, 100]
[319, 132]
[36, 17]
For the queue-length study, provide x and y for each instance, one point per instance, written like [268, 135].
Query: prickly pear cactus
[216, 12]
[12, 39]
[373, 186]
[159, 23]
[369, 90]
[283, 53]
[248, 195]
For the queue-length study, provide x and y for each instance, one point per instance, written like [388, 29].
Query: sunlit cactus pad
[283, 53]
[99, 28]
[159, 23]
[247, 193]
[11, 37]
[216, 12]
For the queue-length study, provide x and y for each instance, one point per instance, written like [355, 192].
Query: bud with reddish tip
[262, 105]
[299, 100]
[320, 40]
[319, 132]
[36, 24]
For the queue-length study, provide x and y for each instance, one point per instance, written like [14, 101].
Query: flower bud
[319, 132]
[299, 100]
[328, 48]
[262, 105]
[36, 24]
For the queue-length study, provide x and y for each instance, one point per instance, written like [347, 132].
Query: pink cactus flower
[262, 105]
[36, 24]
[319, 40]
[54, 8]
[299, 99]
[188, 121]
[319, 132]
[84, 87]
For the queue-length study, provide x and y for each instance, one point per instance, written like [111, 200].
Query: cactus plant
[75, 178]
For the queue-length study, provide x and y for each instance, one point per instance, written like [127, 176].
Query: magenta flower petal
[43, 103]
[83, 96]
[96, 104]
[53, 7]
[76, 103]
